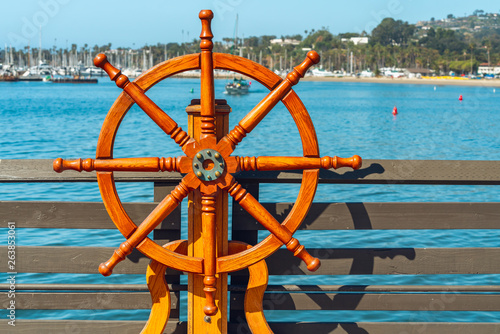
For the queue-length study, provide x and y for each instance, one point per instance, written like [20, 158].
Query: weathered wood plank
[383, 328]
[322, 216]
[87, 327]
[372, 172]
[395, 172]
[84, 300]
[134, 327]
[87, 287]
[383, 216]
[82, 215]
[379, 301]
[40, 170]
[270, 288]
[406, 261]
[395, 261]
[80, 260]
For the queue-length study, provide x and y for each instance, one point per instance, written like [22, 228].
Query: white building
[485, 69]
[356, 40]
[286, 41]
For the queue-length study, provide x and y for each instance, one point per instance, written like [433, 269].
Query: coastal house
[418, 72]
[486, 68]
[356, 40]
[284, 41]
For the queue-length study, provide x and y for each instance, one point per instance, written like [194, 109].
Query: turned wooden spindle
[124, 164]
[355, 162]
[207, 76]
[256, 210]
[166, 206]
[210, 257]
[290, 163]
[164, 121]
[250, 121]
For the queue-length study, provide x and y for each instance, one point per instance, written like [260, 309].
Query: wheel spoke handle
[166, 206]
[124, 164]
[207, 98]
[290, 163]
[250, 121]
[164, 121]
[254, 208]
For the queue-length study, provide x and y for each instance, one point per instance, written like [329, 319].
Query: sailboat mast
[235, 34]
[40, 47]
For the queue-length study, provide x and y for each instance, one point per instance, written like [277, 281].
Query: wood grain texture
[133, 327]
[254, 311]
[207, 93]
[291, 163]
[269, 245]
[152, 164]
[383, 216]
[127, 227]
[252, 206]
[164, 208]
[165, 122]
[86, 327]
[392, 172]
[160, 294]
[255, 116]
[208, 219]
[196, 295]
[74, 215]
[85, 301]
[83, 260]
[393, 261]
[380, 301]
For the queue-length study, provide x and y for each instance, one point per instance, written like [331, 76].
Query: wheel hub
[208, 165]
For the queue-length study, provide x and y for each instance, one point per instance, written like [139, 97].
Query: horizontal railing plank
[82, 215]
[80, 260]
[83, 300]
[336, 261]
[471, 172]
[270, 288]
[87, 327]
[40, 170]
[390, 261]
[382, 328]
[395, 172]
[378, 301]
[134, 327]
[383, 216]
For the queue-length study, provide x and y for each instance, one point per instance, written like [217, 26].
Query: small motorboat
[237, 87]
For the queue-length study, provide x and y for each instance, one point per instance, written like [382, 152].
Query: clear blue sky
[136, 23]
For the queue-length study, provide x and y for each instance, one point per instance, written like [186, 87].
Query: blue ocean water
[45, 121]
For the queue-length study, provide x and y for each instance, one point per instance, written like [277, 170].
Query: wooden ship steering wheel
[208, 165]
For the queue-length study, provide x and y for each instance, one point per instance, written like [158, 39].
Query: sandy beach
[435, 82]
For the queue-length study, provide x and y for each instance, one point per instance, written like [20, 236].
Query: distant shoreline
[435, 82]
[493, 83]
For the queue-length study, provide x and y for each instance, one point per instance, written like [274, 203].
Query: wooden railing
[357, 260]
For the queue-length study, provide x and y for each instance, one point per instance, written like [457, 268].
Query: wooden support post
[198, 322]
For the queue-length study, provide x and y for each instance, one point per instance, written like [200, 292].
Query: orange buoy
[460, 98]
[395, 111]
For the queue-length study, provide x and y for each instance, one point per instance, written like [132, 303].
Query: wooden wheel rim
[147, 80]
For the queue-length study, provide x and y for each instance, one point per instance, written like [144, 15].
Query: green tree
[390, 32]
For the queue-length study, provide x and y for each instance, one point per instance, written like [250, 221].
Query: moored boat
[238, 87]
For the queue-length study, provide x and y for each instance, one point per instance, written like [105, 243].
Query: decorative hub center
[208, 165]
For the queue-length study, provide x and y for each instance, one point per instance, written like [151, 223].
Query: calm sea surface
[46, 121]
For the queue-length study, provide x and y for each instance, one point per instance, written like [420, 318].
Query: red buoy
[460, 98]
[395, 111]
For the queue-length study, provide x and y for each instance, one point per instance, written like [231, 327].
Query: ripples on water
[45, 121]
